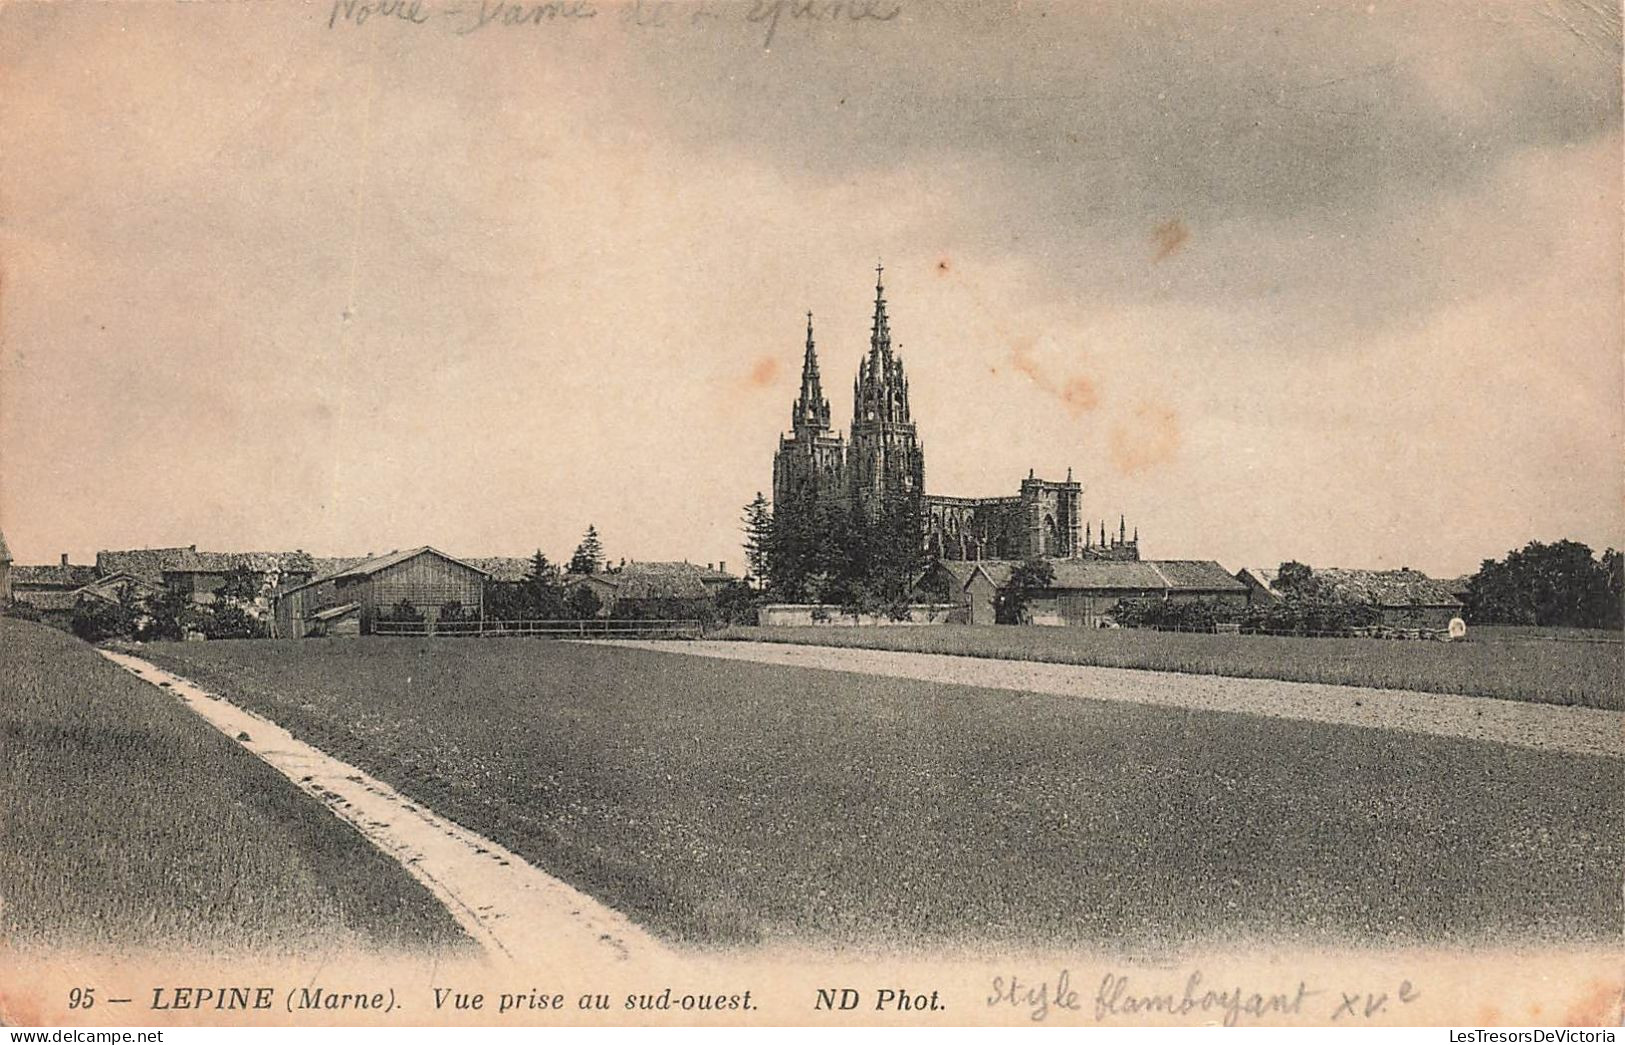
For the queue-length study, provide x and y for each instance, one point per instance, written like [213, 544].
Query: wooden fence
[1379, 631]
[542, 629]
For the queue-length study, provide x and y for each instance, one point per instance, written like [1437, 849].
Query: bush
[230, 621]
[736, 603]
[583, 603]
[1194, 615]
[22, 611]
[95, 620]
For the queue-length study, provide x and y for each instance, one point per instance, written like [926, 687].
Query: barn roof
[656, 580]
[631, 584]
[323, 567]
[56, 575]
[1264, 576]
[1389, 587]
[1196, 574]
[502, 567]
[676, 569]
[47, 601]
[1171, 575]
[149, 564]
[367, 567]
[259, 562]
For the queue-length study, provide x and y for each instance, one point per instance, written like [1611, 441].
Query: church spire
[882, 392]
[879, 329]
[811, 411]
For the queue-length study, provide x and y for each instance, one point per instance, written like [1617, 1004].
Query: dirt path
[1547, 727]
[508, 906]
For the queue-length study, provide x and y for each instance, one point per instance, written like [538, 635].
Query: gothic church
[884, 460]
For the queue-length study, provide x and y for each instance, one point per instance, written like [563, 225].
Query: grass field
[723, 802]
[1511, 666]
[128, 821]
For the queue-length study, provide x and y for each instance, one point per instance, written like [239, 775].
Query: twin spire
[879, 392]
[812, 409]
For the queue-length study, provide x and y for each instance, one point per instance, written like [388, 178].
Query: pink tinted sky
[1339, 284]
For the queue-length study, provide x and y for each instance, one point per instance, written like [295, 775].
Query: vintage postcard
[446, 580]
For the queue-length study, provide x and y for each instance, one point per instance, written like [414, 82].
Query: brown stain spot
[1601, 1005]
[763, 372]
[943, 266]
[19, 1010]
[1169, 237]
[1148, 438]
[1077, 393]
[1080, 395]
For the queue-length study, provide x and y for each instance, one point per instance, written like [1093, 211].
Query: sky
[1333, 282]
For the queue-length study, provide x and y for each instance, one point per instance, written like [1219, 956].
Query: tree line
[1562, 584]
[836, 551]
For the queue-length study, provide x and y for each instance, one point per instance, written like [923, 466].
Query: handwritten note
[1121, 998]
[468, 17]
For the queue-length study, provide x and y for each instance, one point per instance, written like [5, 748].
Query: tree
[169, 614]
[758, 520]
[583, 603]
[1294, 578]
[736, 603]
[241, 585]
[589, 554]
[1010, 605]
[227, 620]
[97, 619]
[543, 592]
[1553, 585]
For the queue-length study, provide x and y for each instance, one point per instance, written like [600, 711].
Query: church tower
[885, 462]
[811, 459]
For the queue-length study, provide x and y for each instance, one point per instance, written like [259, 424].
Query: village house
[352, 599]
[641, 589]
[207, 572]
[200, 574]
[1084, 592]
[1405, 597]
[52, 590]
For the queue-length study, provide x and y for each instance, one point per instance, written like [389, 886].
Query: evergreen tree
[543, 594]
[584, 603]
[589, 554]
[758, 520]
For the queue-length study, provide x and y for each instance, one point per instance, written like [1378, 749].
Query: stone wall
[793, 615]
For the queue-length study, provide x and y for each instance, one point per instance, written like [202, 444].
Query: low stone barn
[1084, 592]
[1405, 597]
[427, 578]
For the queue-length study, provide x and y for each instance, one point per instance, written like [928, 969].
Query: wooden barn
[1084, 591]
[428, 579]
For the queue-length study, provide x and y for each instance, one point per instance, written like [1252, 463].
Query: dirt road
[1575, 730]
